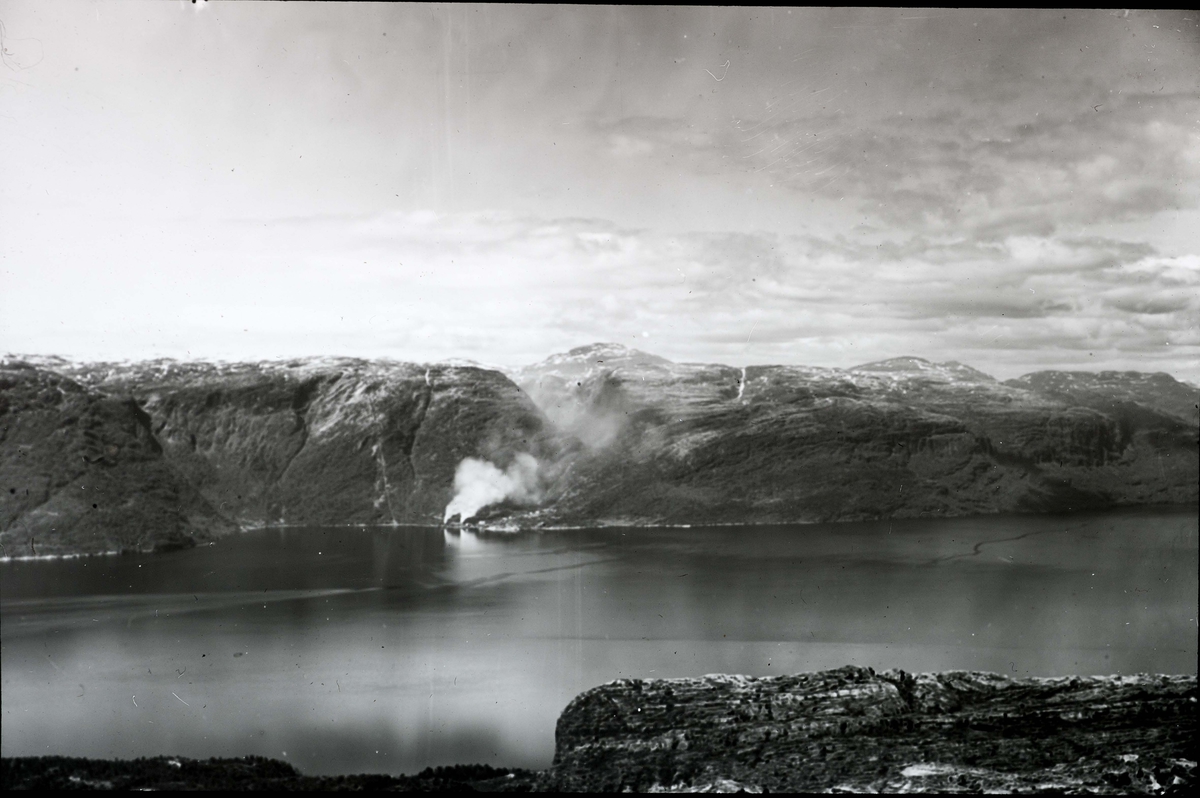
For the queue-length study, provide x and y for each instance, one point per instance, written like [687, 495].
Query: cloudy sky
[1013, 189]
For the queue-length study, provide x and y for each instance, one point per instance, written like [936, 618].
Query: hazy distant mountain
[1109, 391]
[952, 371]
[107, 456]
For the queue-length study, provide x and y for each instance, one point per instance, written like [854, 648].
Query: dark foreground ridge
[241, 773]
[845, 730]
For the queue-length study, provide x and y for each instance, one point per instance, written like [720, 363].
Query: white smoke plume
[596, 414]
[478, 484]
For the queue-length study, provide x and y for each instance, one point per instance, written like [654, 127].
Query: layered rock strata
[854, 730]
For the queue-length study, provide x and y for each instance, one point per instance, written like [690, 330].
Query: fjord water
[388, 650]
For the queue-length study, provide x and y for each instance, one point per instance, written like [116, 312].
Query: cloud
[986, 186]
[987, 124]
[961, 170]
[509, 289]
[628, 146]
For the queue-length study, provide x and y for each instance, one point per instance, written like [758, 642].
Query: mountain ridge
[610, 435]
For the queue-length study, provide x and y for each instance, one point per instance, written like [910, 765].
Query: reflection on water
[354, 650]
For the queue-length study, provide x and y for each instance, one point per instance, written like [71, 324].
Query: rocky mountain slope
[217, 447]
[695, 443]
[81, 471]
[104, 456]
[854, 730]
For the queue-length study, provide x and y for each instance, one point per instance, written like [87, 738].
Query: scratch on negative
[723, 74]
[186, 704]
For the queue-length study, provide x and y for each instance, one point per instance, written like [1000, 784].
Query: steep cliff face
[853, 730]
[331, 441]
[82, 472]
[694, 443]
[304, 442]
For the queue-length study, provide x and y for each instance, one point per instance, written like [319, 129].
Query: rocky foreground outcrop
[854, 730]
[845, 730]
[104, 456]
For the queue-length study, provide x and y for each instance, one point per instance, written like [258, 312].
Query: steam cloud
[594, 416]
[478, 483]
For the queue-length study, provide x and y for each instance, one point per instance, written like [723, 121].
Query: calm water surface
[387, 650]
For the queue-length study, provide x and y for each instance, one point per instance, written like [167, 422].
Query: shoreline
[524, 530]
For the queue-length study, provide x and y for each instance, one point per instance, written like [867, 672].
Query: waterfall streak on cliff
[381, 483]
[410, 451]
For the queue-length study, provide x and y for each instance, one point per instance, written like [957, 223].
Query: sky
[1016, 190]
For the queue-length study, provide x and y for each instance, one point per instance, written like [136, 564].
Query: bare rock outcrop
[854, 730]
